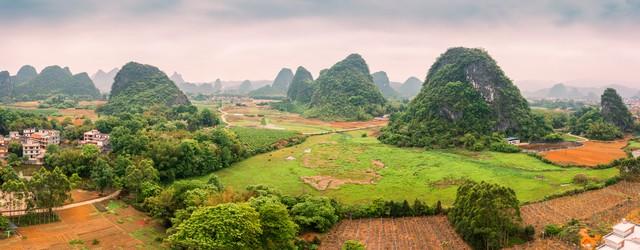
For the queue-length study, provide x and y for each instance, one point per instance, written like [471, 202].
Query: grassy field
[634, 144]
[367, 169]
[256, 138]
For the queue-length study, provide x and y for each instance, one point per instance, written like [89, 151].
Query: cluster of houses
[625, 235]
[35, 142]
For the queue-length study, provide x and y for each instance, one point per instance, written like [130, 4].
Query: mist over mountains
[566, 91]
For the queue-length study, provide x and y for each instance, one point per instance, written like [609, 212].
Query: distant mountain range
[28, 84]
[563, 91]
[103, 81]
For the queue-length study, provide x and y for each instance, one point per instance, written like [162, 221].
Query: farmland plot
[432, 232]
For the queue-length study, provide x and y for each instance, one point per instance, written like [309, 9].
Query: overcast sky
[535, 42]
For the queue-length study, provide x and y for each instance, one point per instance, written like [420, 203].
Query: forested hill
[381, 80]
[301, 87]
[465, 93]
[53, 80]
[137, 87]
[5, 86]
[278, 88]
[346, 92]
[410, 88]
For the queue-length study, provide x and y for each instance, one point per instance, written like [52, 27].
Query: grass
[570, 138]
[409, 173]
[634, 144]
[256, 138]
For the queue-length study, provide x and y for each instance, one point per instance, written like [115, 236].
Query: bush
[553, 137]
[552, 230]
[603, 131]
[504, 147]
[353, 245]
[580, 179]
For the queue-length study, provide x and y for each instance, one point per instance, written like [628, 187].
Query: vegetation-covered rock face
[137, 87]
[465, 92]
[614, 110]
[53, 80]
[278, 88]
[410, 88]
[301, 88]
[381, 80]
[5, 86]
[346, 92]
[25, 73]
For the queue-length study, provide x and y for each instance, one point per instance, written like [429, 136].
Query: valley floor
[355, 167]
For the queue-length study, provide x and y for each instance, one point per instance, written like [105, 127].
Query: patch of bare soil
[324, 182]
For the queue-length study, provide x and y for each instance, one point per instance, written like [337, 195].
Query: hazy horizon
[537, 44]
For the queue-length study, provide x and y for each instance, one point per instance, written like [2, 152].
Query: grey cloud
[561, 12]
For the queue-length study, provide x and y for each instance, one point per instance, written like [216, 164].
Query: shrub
[553, 137]
[504, 147]
[580, 179]
[552, 230]
[353, 245]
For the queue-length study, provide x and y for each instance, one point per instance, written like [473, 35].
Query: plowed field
[591, 154]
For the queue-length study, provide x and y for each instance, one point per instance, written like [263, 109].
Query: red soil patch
[82, 223]
[432, 232]
[591, 154]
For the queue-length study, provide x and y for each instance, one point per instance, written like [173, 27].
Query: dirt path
[68, 206]
[223, 116]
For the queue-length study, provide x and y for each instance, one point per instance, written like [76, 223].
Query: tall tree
[49, 188]
[225, 226]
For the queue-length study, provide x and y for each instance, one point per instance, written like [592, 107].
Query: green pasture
[408, 173]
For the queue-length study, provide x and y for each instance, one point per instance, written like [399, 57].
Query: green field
[407, 173]
[634, 144]
[255, 138]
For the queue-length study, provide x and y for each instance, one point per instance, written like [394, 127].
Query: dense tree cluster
[487, 216]
[614, 110]
[139, 87]
[608, 122]
[465, 92]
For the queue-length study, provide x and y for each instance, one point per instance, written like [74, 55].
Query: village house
[625, 235]
[513, 140]
[95, 137]
[28, 132]
[14, 135]
[46, 137]
[3, 148]
[33, 152]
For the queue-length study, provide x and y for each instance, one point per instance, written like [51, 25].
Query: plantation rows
[585, 206]
[544, 244]
[433, 232]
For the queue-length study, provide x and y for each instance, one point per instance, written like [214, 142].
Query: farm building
[625, 235]
[512, 140]
[33, 152]
[14, 135]
[95, 137]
